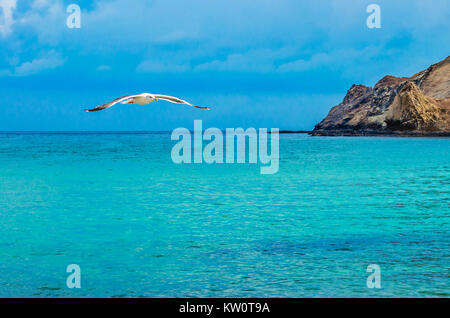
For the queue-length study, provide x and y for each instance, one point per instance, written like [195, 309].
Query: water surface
[141, 226]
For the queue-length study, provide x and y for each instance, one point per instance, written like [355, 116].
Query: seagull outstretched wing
[176, 100]
[111, 103]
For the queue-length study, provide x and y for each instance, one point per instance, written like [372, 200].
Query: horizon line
[117, 131]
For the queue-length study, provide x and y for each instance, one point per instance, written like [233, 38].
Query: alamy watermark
[215, 152]
[374, 19]
[374, 279]
[74, 19]
[74, 279]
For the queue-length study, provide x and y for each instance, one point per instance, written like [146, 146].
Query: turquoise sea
[139, 225]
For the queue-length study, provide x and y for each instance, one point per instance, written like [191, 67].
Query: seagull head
[150, 96]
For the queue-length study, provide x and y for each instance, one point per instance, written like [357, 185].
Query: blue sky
[257, 63]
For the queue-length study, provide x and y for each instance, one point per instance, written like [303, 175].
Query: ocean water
[139, 225]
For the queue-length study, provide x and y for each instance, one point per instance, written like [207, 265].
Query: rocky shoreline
[338, 133]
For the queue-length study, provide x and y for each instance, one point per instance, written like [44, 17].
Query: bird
[142, 99]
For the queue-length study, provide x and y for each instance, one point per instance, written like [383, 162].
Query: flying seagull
[142, 99]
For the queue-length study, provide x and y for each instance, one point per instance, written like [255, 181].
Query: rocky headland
[406, 106]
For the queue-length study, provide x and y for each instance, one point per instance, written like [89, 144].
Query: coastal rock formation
[418, 105]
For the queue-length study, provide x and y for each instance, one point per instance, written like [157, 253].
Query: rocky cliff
[418, 105]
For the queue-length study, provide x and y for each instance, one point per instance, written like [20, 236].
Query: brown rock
[419, 105]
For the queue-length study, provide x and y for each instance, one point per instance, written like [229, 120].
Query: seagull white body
[142, 99]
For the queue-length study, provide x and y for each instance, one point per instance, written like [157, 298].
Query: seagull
[142, 99]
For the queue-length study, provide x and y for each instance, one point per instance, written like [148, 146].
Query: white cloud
[337, 59]
[267, 60]
[46, 19]
[303, 65]
[204, 35]
[158, 67]
[51, 60]
[260, 60]
[6, 16]
[39, 4]
[250, 62]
